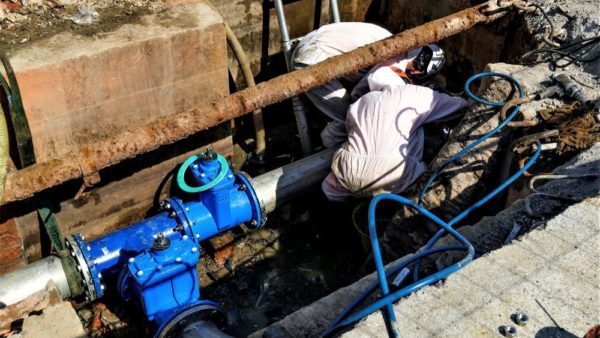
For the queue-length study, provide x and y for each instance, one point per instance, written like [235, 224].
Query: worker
[333, 98]
[385, 143]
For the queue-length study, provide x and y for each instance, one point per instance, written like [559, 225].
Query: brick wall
[11, 247]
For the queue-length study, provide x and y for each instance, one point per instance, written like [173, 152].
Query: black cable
[573, 52]
[551, 34]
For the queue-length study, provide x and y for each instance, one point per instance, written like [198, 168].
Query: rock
[59, 320]
[85, 314]
[87, 15]
[32, 3]
[66, 2]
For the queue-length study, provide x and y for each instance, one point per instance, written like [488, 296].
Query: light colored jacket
[385, 141]
[383, 75]
[335, 39]
[332, 98]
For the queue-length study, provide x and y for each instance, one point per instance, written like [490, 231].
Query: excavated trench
[313, 247]
[319, 249]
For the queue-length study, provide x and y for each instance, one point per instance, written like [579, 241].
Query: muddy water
[318, 253]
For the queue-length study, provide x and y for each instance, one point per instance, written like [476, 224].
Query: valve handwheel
[224, 167]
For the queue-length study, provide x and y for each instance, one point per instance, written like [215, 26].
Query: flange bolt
[165, 205]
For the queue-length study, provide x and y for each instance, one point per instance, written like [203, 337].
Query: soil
[22, 21]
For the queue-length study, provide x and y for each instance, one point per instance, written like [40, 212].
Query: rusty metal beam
[90, 158]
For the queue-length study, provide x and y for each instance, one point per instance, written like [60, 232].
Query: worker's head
[427, 63]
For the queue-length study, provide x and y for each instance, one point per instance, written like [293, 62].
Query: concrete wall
[255, 24]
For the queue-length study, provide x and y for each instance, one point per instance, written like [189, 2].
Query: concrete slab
[59, 320]
[552, 275]
[78, 88]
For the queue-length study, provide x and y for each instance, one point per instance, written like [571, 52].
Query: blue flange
[258, 214]
[91, 279]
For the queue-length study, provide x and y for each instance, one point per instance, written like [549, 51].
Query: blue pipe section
[229, 203]
[387, 299]
[111, 252]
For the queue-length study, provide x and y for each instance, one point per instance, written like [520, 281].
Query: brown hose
[242, 59]
[244, 63]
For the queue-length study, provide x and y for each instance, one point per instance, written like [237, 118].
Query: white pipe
[20, 284]
[280, 185]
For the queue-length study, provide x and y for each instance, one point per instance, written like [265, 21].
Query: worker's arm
[430, 105]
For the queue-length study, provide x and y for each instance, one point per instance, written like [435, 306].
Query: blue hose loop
[388, 298]
[344, 320]
[391, 271]
[224, 167]
[493, 132]
[481, 202]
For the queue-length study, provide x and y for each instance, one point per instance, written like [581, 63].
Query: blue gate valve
[154, 261]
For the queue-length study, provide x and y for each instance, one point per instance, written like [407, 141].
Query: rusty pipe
[91, 158]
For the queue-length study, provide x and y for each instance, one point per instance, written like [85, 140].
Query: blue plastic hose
[493, 132]
[344, 318]
[391, 271]
[479, 203]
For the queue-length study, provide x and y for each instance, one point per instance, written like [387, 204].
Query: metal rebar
[92, 157]
[297, 106]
